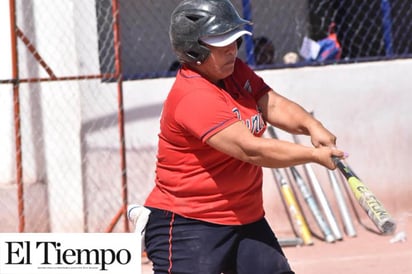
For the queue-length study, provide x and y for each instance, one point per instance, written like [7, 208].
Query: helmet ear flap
[200, 53]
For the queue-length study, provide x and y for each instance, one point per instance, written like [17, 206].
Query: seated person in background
[264, 50]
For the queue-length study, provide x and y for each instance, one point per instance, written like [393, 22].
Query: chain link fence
[72, 154]
[366, 30]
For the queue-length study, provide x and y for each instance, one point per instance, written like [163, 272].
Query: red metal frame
[118, 76]
[108, 76]
[17, 126]
[32, 49]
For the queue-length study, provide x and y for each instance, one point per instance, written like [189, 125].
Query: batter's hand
[323, 156]
[320, 136]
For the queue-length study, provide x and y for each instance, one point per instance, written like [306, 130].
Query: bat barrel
[367, 200]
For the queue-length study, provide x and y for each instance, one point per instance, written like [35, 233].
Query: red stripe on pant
[170, 242]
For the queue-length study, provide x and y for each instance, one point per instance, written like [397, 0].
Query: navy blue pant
[180, 245]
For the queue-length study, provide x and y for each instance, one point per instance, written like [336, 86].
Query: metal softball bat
[367, 199]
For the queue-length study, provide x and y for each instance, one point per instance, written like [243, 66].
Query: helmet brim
[225, 39]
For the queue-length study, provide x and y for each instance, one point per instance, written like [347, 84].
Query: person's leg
[260, 252]
[179, 245]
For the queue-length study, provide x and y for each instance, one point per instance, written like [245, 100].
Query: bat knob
[330, 238]
[388, 227]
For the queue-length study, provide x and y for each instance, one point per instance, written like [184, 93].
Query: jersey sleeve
[255, 84]
[204, 112]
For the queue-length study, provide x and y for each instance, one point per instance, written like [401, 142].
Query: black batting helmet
[195, 20]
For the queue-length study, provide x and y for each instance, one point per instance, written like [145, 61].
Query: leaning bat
[323, 201]
[343, 208]
[294, 211]
[307, 195]
[321, 196]
[367, 200]
[313, 206]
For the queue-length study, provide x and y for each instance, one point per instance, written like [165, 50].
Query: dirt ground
[366, 253]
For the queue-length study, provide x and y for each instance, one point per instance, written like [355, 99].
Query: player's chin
[227, 69]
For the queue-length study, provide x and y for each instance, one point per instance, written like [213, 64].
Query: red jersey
[193, 179]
